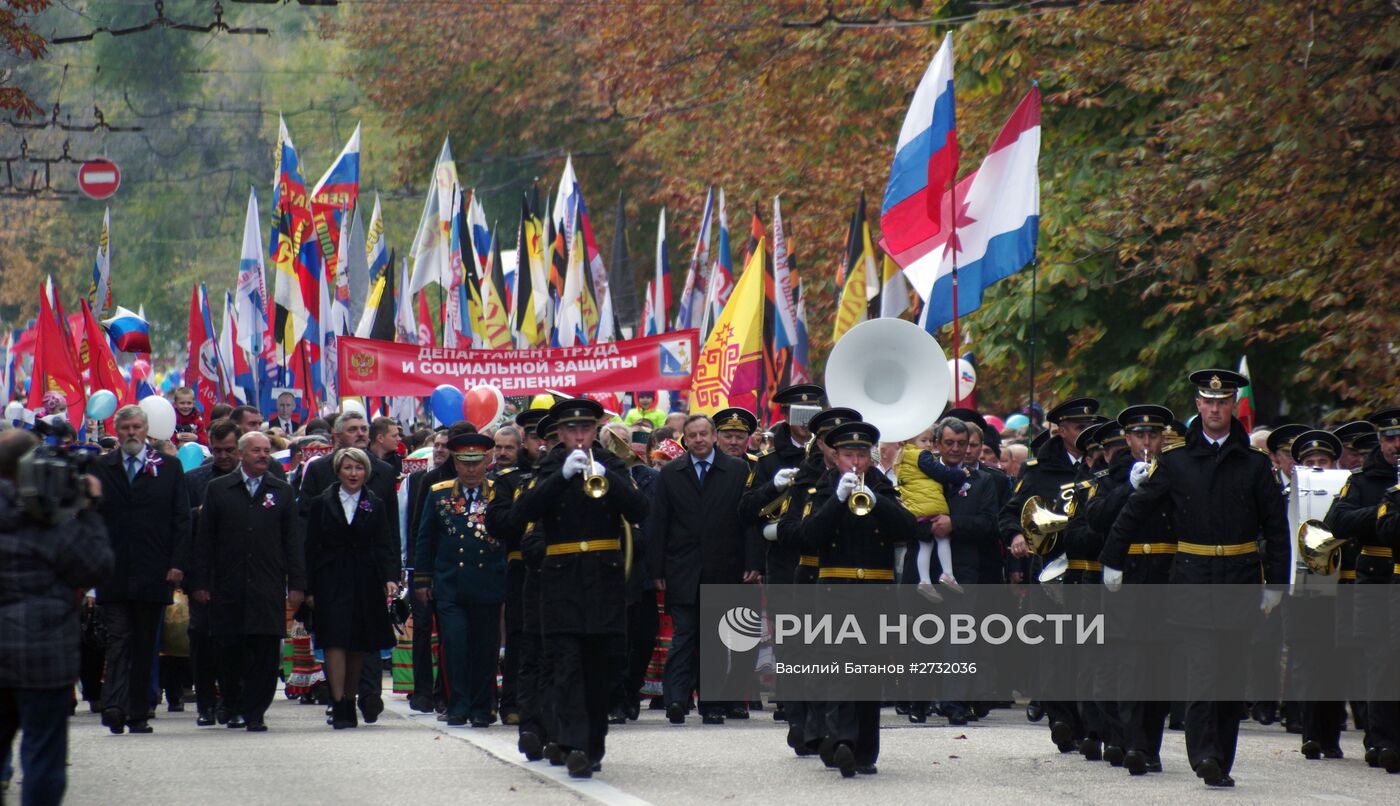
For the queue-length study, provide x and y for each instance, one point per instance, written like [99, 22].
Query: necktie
[133, 466]
[704, 467]
[252, 487]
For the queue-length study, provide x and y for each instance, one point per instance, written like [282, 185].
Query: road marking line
[500, 742]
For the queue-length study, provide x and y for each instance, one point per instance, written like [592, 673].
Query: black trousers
[858, 724]
[371, 676]
[1323, 722]
[248, 666]
[530, 690]
[583, 677]
[1139, 724]
[132, 628]
[682, 674]
[469, 637]
[204, 662]
[423, 615]
[1212, 727]
[643, 620]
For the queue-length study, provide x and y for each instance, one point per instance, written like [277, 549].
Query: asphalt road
[412, 758]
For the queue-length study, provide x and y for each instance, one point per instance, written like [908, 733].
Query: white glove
[1270, 600]
[598, 469]
[770, 532]
[845, 486]
[1112, 579]
[1138, 474]
[576, 463]
[783, 478]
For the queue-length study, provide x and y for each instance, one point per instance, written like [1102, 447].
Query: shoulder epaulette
[752, 457]
[1173, 447]
[443, 485]
[1356, 470]
[1260, 450]
[764, 452]
[1098, 474]
[500, 473]
[811, 490]
[1030, 463]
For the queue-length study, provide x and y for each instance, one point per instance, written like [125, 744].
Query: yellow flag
[851, 310]
[729, 366]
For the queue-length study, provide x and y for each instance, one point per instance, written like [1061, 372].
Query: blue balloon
[1016, 421]
[190, 456]
[446, 404]
[101, 405]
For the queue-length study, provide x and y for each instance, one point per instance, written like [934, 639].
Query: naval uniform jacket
[1145, 557]
[582, 581]
[851, 548]
[1049, 475]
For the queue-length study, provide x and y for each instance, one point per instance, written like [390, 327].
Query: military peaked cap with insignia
[1109, 434]
[853, 434]
[1353, 431]
[1218, 383]
[577, 410]
[807, 394]
[1316, 441]
[1077, 410]
[824, 421]
[1039, 441]
[471, 447]
[546, 427]
[1386, 421]
[1145, 417]
[1088, 439]
[1282, 437]
[529, 419]
[735, 419]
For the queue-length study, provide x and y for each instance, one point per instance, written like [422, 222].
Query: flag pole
[953, 245]
[1030, 368]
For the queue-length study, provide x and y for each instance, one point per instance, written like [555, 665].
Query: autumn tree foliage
[18, 37]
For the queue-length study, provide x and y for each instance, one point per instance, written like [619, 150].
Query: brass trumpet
[1319, 549]
[1042, 525]
[861, 501]
[595, 485]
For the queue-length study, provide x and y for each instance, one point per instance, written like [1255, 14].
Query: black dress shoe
[235, 723]
[1264, 713]
[1175, 724]
[1312, 750]
[555, 754]
[456, 721]
[175, 708]
[1332, 752]
[634, 712]
[779, 713]
[371, 707]
[844, 759]
[480, 723]
[1389, 758]
[1091, 749]
[981, 709]
[1210, 772]
[958, 719]
[739, 711]
[803, 751]
[617, 716]
[1034, 711]
[114, 719]
[676, 713]
[1224, 782]
[1135, 762]
[258, 726]
[139, 726]
[221, 715]
[423, 705]
[826, 751]
[1063, 736]
[1154, 763]
[901, 709]
[715, 717]
[530, 745]
[1113, 754]
[1373, 757]
[578, 765]
[866, 769]
[917, 716]
[204, 720]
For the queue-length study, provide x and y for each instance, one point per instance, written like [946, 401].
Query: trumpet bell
[595, 485]
[1042, 525]
[860, 502]
[892, 372]
[1318, 548]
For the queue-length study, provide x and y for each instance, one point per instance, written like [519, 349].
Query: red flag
[103, 372]
[54, 367]
[202, 369]
[425, 321]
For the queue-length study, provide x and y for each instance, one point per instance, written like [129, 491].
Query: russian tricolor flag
[925, 163]
[128, 331]
[998, 222]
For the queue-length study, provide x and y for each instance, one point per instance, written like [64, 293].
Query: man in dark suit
[147, 513]
[248, 566]
[696, 537]
[352, 431]
[285, 418]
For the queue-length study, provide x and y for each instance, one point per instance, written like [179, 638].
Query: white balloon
[350, 404]
[160, 417]
[14, 411]
[964, 377]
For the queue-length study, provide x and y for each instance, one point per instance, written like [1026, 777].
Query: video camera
[49, 478]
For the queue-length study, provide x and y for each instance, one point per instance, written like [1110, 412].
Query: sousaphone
[891, 371]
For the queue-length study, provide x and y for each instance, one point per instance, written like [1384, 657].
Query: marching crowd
[565, 549]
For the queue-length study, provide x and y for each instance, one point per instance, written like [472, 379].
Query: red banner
[373, 367]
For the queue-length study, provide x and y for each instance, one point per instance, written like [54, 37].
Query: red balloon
[140, 369]
[483, 405]
[608, 400]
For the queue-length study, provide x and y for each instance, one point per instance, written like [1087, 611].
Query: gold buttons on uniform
[460, 565]
[860, 573]
[583, 546]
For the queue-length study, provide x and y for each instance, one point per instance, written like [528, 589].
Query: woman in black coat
[352, 567]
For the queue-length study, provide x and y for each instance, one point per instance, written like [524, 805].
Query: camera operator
[46, 563]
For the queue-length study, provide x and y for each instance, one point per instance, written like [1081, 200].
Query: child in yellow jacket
[922, 493]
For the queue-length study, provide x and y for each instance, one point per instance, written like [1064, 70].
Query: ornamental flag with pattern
[925, 163]
[292, 246]
[730, 365]
[997, 226]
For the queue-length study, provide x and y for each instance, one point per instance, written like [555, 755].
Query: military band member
[1147, 560]
[506, 485]
[1355, 515]
[582, 577]
[461, 567]
[533, 687]
[1222, 496]
[1280, 444]
[1353, 454]
[1051, 476]
[854, 549]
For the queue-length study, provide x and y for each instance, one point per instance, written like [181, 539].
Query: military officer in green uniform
[461, 566]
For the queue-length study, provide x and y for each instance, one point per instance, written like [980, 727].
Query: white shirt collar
[247, 478]
[348, 501]
[694, 460]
